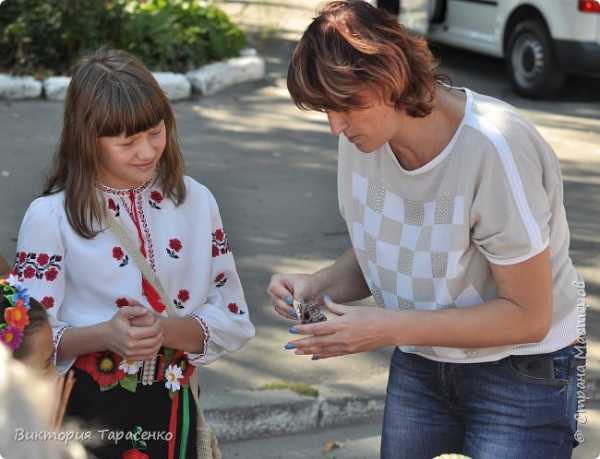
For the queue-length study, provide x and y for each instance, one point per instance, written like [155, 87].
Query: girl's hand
[354, 329]
[283, 288]
[130, 341]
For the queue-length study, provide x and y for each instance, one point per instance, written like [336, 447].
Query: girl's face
[41, 349]
[127, 162]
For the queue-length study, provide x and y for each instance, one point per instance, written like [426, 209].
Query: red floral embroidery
[112, 205]
[220, 280]
[47, 302]
[220, 243]
[156, 198]
[29, 272]
[182, 297]
[120, 256]
[103, 367]
[234, 308]
[174, 248]
[120, 302]
[33, 265]
[51, 274]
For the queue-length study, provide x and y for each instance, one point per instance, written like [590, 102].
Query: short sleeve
[510, 215]
[40, 264]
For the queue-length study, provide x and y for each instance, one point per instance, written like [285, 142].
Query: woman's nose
[337, 124]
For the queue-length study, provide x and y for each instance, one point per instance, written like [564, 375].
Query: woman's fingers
[282, 300]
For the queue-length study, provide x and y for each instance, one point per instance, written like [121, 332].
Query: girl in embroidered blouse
[118, 157]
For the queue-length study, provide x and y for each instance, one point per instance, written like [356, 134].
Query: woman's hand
[283, 288]
[134, 332]
[353, 329]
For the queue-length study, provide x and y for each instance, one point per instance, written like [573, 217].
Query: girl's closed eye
[127, 143]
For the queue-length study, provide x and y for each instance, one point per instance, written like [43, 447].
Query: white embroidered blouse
[82, 282]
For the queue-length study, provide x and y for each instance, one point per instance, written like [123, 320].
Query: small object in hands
[309, 313]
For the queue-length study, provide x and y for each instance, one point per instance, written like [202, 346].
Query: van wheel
[438, 11]
[531, 61]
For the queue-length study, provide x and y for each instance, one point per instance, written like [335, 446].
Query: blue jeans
[514, 408]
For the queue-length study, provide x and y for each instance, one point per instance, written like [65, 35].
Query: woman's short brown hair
[111, 93]
[351, 45]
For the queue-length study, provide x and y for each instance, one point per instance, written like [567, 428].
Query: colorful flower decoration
[11, 337]
[134, 454]
[173, 376]
[130, 368]
[16, 316]
[103, 367]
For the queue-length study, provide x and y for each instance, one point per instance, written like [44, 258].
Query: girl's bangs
[119, 110]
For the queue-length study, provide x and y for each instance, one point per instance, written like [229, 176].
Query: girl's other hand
[130, 341]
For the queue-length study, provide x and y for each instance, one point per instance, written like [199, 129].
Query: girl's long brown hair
[111, 92]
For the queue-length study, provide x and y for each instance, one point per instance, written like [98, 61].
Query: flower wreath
[16, 316]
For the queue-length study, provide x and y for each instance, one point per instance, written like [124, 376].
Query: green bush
[178, 35]
[48, 36]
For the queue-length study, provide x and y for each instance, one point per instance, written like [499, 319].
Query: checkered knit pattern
[410, 249]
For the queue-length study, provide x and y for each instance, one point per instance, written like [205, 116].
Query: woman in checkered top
[454, 206]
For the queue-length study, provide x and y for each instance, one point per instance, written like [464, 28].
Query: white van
[541, 40]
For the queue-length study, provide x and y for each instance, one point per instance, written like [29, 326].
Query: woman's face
[367, 128]
[41, 349]
[127, 162]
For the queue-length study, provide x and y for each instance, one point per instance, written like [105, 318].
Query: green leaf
[129, 383]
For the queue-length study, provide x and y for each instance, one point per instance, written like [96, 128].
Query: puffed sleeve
[40, 264]
[225, 317]
[511, 213]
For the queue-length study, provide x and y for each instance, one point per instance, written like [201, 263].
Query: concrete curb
[241, 415]
[25, 87]
[206, 80]
[249, 414]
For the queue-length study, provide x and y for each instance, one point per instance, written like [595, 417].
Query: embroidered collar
[126, 191]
